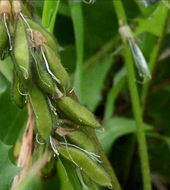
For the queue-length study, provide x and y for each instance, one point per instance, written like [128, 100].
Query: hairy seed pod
[76, 112]
[88, 182]
[21, 54]
[43, 79]
[49, 168]
[81, 139]
[50, 39]
[3, 36]
[91, 168]
[57, 68]
[16, 94]
[38, 152]
[41, 112]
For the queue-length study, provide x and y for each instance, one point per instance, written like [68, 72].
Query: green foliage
[11, 124]
[90, 48]
[7, 169]
[115, 128]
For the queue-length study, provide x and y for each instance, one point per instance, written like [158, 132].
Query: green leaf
[49, 14]
[93, 83]
[6, 68]
[63, 175]
[146, 11]
[154, 23]
[3, 85]
[72, 175]
[115, 128]
[119, 83]
[12, 119]
[77, 18]
[7, 169]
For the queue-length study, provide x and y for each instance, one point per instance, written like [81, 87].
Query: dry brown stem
[26, 149]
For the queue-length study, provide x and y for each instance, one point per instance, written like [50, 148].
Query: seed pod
[91, 168]
[3, 36]
[41, 112]
[50, 39]
[16, 94]
[76, 112]
[43, 79]
[38, 152]
[81, 139]
[49, 168]
[57, 68]
[88, 182]
[21, 54]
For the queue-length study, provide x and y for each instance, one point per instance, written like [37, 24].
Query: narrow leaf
[77, 17]
[7, 169]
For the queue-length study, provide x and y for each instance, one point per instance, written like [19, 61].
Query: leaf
[77, 18]
[3, 85]
[146, 11]
[12, 119]
[115, 128]
[119, 83]
[154, 23]
[72, 175]
[6, 68]
[49, 14]
[63, 175]
[93, 83]
[7, 169]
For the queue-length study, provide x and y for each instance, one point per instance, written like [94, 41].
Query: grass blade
[77, 18]
[50, 11]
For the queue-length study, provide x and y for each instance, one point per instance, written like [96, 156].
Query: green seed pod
[76, 112]
[49, 169]
[41, 112]
[43, 79]
[50, 39]
[38, 152]
[81, 139]
[18, 98]
[91, 168]
[88, 182]
[21, 54]
[57, 68]
[3, 36]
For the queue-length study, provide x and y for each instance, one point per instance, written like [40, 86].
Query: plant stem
[135, 100]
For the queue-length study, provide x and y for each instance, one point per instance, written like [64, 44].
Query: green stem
[135, 100]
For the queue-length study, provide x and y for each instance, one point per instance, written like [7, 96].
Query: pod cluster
[40, 79]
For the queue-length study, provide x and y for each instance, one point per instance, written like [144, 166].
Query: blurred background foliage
[104, 91]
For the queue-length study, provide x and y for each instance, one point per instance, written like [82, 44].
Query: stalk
[120, 12]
